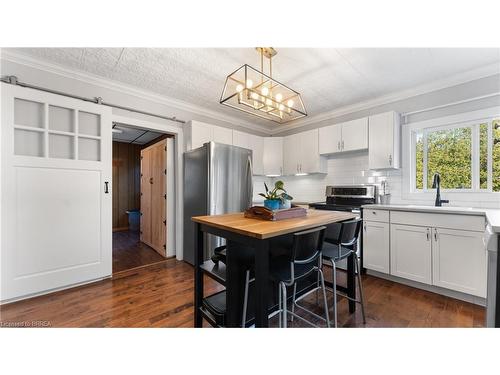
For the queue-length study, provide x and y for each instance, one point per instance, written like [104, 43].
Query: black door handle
[106, 190]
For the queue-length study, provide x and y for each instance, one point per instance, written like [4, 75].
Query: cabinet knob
[428, 234]
[435, 234]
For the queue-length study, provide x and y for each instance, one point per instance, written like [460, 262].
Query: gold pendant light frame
[252, 91]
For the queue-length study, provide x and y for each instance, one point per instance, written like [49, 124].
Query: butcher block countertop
[263, 229]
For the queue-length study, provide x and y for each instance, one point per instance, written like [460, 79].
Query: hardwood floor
[129, 252]
[161, 295]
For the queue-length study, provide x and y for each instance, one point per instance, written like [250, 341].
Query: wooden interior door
[145, 196]
[153, 196]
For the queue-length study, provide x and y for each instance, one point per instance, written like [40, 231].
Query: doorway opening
[139, 197]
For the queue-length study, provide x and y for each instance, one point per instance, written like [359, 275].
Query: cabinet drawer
[438, 220]
[376, 215]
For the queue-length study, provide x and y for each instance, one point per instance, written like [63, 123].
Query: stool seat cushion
[280, 269]
[335, 252]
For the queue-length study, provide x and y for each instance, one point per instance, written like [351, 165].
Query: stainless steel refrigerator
[217, 180]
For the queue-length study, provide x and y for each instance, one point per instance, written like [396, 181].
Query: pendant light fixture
[259, 94]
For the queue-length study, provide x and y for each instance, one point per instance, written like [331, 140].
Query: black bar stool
[304, 259]
[338, 246]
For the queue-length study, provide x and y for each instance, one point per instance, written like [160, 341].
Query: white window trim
[409, 191]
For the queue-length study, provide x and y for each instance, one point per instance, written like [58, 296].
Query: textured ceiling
[327, 78]
[128, 134]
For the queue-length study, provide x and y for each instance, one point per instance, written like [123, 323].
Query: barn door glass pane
[28, 113]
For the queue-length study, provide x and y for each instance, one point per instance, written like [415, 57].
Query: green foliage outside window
[449, 152]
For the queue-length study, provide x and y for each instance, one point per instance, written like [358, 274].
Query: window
[466, 155]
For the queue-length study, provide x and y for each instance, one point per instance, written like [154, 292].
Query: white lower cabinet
[419, 248]
[411, 253]
[459, 261]
[376, 246]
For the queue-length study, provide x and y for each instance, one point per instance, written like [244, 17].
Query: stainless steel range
[347, 198]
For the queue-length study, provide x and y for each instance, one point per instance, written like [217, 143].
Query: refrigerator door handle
[249, 180]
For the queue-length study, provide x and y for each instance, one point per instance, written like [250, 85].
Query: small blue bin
[134, 220]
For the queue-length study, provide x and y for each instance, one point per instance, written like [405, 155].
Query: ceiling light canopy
[258, 94]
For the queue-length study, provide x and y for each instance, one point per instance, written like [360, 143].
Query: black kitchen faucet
[436, 184]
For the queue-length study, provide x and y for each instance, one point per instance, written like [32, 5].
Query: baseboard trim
[431, 288]
[53, 291]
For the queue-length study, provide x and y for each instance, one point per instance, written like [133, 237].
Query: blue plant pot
[272, 204]
[286, 205]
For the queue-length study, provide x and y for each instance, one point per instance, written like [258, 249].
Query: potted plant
[276, 198]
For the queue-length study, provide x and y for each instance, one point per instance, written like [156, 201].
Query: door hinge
[165, 171]
[141, 213]
[165, 148]
[164, 196]
[164, 222]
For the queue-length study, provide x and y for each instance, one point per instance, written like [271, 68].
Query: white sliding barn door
[56, 214]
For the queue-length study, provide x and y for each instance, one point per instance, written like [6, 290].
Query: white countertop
[492, 215]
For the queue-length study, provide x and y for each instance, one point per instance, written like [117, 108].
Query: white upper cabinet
[384, 141]
[222, 135]
[273, 156]
[254, 143]
[301, 154]
[347, 136]
[257, 146]
[291, 155]
[198, 133]
[241, 139]
[355, 134]
[330, 139]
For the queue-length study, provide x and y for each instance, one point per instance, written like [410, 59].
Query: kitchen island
[237, 229]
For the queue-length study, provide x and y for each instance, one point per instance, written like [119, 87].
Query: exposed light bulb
[249, 83]
[290, 103]
[281, 107]
[239, 88]
[255, 95]
[269, 102]
[264, 91]
[279, 97]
